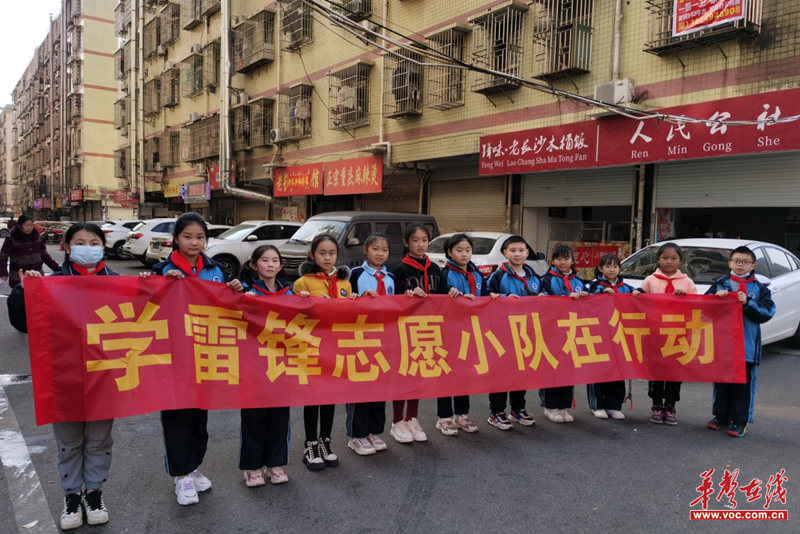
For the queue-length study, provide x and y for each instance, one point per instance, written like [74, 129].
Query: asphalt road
[587, 477]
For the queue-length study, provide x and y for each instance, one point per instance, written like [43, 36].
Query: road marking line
[24, 487]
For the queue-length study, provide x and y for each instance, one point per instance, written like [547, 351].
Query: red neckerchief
[179, 261]
[742, 282]
[565, 278]
[379, 275]
[670, 288]
[419, 266]
[612, 286]
[268, 292]
[333, 289]
[511, 272]
[470, 276]
[83, 272]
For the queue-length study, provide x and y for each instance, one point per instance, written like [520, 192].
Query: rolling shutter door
[400, 194]
[764, 181]
[466, 202]
[253, 211]
[604, 186]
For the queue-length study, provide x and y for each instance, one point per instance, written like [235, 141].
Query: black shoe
[96, 513]
[718, 424]
[328, 456]
[312, 458]
[72, 516]
[738, 430]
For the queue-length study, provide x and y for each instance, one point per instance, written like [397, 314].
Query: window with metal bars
[152, 163]
[191, 14]
[122, 61]
[240, 124]
[562, 38]
[659, 39]
[353, 9]
[170, 87]
[200, 139]
[74, 176]
[121, 167]
[169, 148]
[498, 46]
[261, 121]
[403, 76]
[254, 42]
[74, 107]
[294, 112]
[211, 60]
[151, 37]
[151, 105]
[170, 30]
[209, 7]
[122, 116]
[192, 68]
[76, 73]
[122, 18]
[446, 84]
[77, 42]
[348, 96]
[297, 24]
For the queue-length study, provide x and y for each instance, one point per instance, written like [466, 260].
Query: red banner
[622, 141]
[694, 15]
[358, 176]
[299, 180]
[136, 346]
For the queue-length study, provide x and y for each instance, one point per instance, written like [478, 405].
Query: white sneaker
[554, 415]
[616, 414]
[567, 416]
[328, 456]
[185, 490]
[600, 414]
[400, 433]
[96, 511]
[72, 516]
[447, 427]
[377, 443]
[201, 482]
[415, 429]
[362, 446]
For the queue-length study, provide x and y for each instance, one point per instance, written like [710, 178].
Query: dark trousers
[608, 395]
[664, 393]
[325, 416]
[366, 418]
[558, 398]
[185, 439]
[447, 407]
[497, 401]
[732, 401]
[264, 438]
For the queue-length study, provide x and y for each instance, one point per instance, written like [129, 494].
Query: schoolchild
[734, 403]
[83, 448]
[416, 276]
[561, 280]
[366, 421]
[670, 280]
[185, 430]
[319, 277]
[606, 398]
[514, 279]
[264, 437]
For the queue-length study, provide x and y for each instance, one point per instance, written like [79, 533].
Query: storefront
[461, 200]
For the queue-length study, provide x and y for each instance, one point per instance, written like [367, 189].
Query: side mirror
[541, 256]
[251, 238]
[353, 242]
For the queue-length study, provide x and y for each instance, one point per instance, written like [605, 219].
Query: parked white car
[235, 246]
[487, 252]
[706, 259]
[161, 245]
[116, 235]
[138, 241]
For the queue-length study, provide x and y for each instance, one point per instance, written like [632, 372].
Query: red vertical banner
[299, 180]
[358, 176]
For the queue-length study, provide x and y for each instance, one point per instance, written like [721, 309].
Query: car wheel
[793, 342]
[230, 265]
[143, 259]
[116, 250]
[4, 233]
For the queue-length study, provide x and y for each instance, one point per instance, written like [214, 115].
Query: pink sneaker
[277, 475]
[253, 478]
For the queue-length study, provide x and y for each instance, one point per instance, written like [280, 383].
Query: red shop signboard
[299, 180]
[358, 176]
[622, 141]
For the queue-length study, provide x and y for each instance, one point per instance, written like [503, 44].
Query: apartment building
[479, 149]
[63, 132]
[9, 191]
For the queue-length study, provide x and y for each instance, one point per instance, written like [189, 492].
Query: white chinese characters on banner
[691, 16]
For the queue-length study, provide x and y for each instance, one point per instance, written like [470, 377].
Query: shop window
[191, 16]
[659, 15]
[192, 68]
[294, 113]
[562, 38]
[359, 232]
[151, 37]
[297, 24]
[211, 65]
[151, 105]
[254, 42]
[498, 46]
[170, 87]
[170, 29]
[348, 97]
[403, 75]
[778, 262]
[446, 84]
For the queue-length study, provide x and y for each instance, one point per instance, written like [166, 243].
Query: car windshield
[237, 233]
[480, 245]
[312, 229]
[702, 264]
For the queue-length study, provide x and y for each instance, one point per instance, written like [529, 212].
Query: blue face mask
[84, 255]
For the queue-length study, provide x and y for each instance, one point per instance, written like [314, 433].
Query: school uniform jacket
[363, 279]
[211, 271]
[553, 284]
[600, 284]
[505, 282]
[410, 277]
[318, 287]
[460, 281]
[259, 288]
[16, 300]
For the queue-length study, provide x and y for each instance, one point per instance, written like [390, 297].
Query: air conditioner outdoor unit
[158, 167]
[194, 116]
[161, 50]
[275, 136]
[169, 65]
[616, 92]
[123, 131]
[243, 98]
[196, 49]
[200, 170]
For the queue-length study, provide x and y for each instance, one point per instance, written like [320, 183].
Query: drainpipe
[617, 38]
[133, 81]
[65, 187]
[51, 133]
[225, 112]
[381, 142]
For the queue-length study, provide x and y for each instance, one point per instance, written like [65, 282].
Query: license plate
[156, 246]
